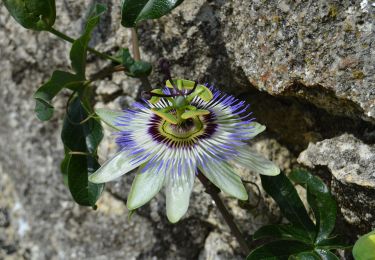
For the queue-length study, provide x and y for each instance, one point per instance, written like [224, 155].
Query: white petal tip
[272, 171]
[101, 176]
[94, 178]
[132, 206]
[243, 196]
[176, 216]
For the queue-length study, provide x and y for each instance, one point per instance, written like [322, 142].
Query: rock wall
[307, 68]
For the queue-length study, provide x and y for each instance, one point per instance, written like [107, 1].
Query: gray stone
[295, 47]
[319, 51]
[352, 165]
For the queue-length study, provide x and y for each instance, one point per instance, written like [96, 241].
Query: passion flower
[180, 131]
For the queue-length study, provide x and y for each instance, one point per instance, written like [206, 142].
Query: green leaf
[81, 141]
[80, 137]
[78, 52]
[283, 192]
[284, 231]
[321, 201]
[134, 11]
[44, 95]
[310, 255]
[335, 242]
[326, 255]
[364, 248]
[279, 250]
[32, 14]
[83, 192]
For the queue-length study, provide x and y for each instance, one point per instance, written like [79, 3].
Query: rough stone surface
[352, 165]
[320, 52]
[320, 44]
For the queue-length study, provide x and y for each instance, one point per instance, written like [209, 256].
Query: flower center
[188, 129]
[185, 134]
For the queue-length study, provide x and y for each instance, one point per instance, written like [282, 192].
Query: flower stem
[214, 192]
[71, 40]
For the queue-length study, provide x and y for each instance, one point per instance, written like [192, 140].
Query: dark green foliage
[301, 239]
[280, 249]
[32, 14]
[321, 201]
[134, 11]
[44, 95]
[81, 133]
[63, 79]
[78, 52]
[81, 140]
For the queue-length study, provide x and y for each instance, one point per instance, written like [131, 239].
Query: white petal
[113, 168]
[109, 117]
[223, 176]
[256, 162]
[144, 187]
[178, 192]
[255, 130]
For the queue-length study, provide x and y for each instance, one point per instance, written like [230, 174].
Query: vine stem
[214, 192]
[137, 57]
[135, 44]
[71, 40]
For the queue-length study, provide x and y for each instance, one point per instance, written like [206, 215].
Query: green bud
[140, 69]
[37, 15]
[364, 248]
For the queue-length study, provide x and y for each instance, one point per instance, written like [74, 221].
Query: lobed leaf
[44, 95]
[134, 11]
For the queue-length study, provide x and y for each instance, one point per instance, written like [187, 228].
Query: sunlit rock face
[316, 60]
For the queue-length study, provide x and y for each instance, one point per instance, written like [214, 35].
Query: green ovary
[186, 133]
